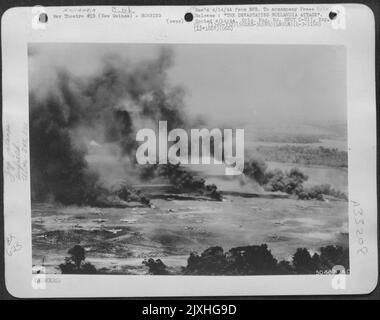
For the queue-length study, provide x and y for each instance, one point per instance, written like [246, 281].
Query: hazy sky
[227, 83]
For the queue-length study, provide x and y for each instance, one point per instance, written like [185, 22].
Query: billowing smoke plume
[101, 111]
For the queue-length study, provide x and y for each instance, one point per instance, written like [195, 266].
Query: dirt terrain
[117, 240]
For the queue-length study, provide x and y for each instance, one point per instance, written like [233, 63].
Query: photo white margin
[359, 39]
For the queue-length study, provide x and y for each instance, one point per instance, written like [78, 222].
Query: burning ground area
[89, 193]
[117, 240]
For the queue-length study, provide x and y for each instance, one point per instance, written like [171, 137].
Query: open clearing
[117, 240]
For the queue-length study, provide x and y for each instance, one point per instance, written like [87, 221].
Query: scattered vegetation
[74, 264]
[245, 260]
[304, 263]
[156, 267]
[258, 260]
[241, 260]
[304, 155]
[291, 138]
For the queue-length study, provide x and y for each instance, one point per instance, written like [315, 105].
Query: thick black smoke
[58, 168]
[108, 108]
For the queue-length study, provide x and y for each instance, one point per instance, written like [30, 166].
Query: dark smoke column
[112, 104]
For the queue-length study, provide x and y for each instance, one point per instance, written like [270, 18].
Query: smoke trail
[106, 110]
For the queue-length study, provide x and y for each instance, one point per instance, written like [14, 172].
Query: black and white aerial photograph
[188, 159]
